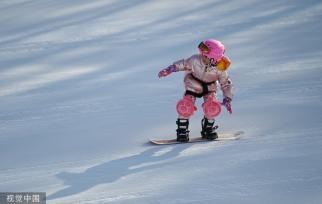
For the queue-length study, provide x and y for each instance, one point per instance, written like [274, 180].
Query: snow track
[79, 98]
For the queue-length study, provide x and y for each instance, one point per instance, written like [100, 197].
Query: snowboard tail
[221, 137]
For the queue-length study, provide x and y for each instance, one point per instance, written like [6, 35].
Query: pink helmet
[212, 48]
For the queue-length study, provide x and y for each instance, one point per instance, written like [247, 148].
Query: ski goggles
[203, 47]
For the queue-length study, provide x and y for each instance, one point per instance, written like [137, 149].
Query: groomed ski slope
[79, 98]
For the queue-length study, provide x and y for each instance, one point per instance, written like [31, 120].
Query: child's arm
[225, 84]
[227, 89]
[181, 65]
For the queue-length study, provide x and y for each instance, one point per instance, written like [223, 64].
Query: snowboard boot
[182, 131]
[208, 129]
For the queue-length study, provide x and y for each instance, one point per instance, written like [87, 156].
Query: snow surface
[79, 98]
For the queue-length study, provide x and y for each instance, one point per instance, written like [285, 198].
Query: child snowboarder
[203, 72]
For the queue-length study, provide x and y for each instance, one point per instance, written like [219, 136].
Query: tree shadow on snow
[114, 170]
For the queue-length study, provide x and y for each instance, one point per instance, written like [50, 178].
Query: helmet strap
[212, 62]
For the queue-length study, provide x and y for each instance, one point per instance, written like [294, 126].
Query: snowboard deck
[221, 137]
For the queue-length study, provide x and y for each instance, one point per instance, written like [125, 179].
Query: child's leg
[186, 107]
[211, 107]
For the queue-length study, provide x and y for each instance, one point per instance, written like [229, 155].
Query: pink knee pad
[186, 107]
[211, 108]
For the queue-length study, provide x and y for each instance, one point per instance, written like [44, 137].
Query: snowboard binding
[208, 129]
[182, 130]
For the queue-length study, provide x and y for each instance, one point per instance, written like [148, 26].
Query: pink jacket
[197, 71]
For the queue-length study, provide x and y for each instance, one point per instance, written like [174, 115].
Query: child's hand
[227, 104]
[165, 72]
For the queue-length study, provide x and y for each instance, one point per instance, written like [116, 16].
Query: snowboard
[221, 137]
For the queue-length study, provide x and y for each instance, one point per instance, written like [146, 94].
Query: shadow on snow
[114, 170]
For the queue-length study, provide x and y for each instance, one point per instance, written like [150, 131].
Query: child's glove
[165, 72]
[226, 102]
